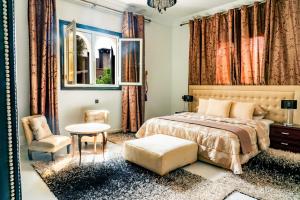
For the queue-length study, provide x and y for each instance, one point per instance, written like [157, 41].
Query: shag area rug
[270, 175]
[120, 138]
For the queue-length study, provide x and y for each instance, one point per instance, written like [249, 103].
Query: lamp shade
[289, 104]
[187, 98]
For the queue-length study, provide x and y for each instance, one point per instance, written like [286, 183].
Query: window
[90, 58]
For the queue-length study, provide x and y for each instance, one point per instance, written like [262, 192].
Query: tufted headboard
[269, 97]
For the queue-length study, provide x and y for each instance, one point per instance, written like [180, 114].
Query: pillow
[218, 108]
[242, 110]
[40, 128]
[260, 111]
[202, 107]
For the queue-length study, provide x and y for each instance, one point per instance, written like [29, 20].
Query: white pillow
[242, 110]
[202, 106]
[218, 108]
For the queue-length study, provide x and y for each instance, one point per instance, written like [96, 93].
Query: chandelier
[161, 5]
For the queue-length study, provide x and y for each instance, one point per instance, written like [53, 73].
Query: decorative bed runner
[242, 134]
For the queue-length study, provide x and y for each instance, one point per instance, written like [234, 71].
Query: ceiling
[182, 8]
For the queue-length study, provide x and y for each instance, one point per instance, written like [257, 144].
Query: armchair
[49, 144]
[98, 116]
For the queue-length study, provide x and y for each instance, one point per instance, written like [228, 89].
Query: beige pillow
[40, 128]
[218, 108]
[202, 106]
[242, 110]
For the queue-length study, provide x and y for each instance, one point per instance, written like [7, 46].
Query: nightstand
[285, 137]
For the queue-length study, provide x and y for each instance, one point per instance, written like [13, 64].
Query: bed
[218, 146]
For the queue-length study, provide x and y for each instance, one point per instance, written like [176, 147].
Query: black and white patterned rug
[268, 176]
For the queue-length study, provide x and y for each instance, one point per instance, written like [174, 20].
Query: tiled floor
[34, 188]
[239, 196]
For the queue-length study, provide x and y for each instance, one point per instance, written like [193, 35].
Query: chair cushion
[50, 144]
[39, 127]
[99, 116]
[160, 153]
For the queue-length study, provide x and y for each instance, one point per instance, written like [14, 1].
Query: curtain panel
[133, 97]
[282, 42]
[43, 64]
[254, 45]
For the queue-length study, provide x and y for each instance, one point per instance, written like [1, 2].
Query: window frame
[99, 31]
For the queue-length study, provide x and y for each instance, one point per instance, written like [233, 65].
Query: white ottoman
[160, 153]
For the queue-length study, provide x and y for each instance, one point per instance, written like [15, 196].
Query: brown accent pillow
[260, 111]
[40, 128]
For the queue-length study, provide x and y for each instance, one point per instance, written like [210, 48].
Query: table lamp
[290, 105]
[187, 98]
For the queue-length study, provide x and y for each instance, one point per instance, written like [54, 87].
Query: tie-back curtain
[254, 45]
[133, 97]
[43, 66]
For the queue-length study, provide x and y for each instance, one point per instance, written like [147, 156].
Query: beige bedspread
[219, 147]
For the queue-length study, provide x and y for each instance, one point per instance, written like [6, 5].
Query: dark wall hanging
[9, 147]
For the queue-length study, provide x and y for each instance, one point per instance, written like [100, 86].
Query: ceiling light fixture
[161, 5]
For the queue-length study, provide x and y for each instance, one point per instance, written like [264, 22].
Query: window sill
[90, 88]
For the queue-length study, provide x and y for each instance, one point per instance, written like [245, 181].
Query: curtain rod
[110, 9]
[198, 17]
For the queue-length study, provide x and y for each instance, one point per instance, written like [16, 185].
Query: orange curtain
[282, 42]
[133, 97]
[254, 45]
[43, 65]
[227, 49]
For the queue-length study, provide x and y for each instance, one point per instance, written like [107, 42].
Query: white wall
[71, 103]
[22, 62]
[180, 66]
[158, 65]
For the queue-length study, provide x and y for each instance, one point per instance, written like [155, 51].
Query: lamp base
[287, 124]
[289, 121]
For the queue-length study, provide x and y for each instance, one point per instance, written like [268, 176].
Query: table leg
[73, 145]
[95, 144]
[79, 148]
[103, 143]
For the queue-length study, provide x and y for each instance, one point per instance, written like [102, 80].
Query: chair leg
[52, 157]
[29, 154]
[68, 149]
